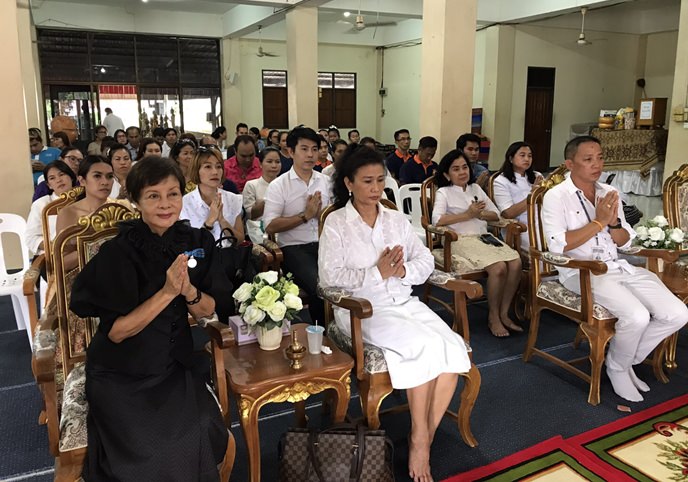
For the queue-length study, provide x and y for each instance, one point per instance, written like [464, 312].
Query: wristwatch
[615, 226]
[303, 218]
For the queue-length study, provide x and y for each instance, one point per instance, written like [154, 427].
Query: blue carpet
[519, 405]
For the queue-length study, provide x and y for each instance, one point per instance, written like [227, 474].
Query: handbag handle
[357, 451]
[229, 237]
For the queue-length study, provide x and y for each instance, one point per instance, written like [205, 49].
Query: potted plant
[265, 303]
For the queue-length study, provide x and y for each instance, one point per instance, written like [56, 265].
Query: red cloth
[238, 176]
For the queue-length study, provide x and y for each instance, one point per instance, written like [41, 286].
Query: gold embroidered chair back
[88, 235]
[675, 198]
[53, 209]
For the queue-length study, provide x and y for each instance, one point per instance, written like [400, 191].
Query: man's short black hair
[170, 129]
[302, 133]
[132, 128]
[255, 130]
[159, 132]
[351, 132]
[466, 138]
[400, 132]
[240, 125]
[333, 129]
[572, 146]
[427, 141]
[243, 139]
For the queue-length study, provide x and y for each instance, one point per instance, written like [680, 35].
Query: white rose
[270, 277]
[642, 233]
[243, 292]
[293, 302]
[277, 311]
[676, 235]
[242, 308]
[660, 221]
[656, 234]
[253, 315]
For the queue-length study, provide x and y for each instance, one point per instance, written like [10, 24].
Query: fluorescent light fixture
[102, 70]
[347, 14]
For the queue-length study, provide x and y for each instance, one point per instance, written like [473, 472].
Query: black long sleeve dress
[150, 417]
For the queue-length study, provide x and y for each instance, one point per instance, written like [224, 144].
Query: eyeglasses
[73, 159]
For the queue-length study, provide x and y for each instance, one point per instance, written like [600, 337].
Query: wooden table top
[251, 369]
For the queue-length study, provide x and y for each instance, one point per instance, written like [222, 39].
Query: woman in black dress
[150, 416]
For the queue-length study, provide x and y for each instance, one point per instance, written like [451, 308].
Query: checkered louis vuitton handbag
[343, 453]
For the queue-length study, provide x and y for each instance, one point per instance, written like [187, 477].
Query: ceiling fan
[261, 52]
[360, 24]
[581, 36]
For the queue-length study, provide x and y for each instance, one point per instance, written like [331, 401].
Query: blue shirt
[46, 156]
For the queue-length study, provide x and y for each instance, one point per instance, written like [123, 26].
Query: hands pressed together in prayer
[476, 208]
[391, 262]
[607, 208]
[313, 205]
[215, 214]
[177, 280]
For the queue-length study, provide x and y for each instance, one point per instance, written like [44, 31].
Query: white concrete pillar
[28, 52]
[447, 70]
[677, 145]
[232, 106]
[302, 66]
[16, 181]
[498, 92]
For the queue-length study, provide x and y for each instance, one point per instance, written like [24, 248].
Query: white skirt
[418, 345]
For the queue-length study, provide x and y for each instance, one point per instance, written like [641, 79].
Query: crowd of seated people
[279, 190]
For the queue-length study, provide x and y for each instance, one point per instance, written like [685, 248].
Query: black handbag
[343, 453]
[237, 259]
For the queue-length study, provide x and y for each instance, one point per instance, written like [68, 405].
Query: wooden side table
[675, 277]
[259, 377]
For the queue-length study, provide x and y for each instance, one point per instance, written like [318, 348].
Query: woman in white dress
[461, 205]
[209, 206]
[121, 165]
[60, 178]
[512, 186]
[374, 252]
[254, 192]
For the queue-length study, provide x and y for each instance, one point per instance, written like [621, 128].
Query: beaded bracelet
[196, 299]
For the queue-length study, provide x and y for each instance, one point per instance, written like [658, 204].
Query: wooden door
[275, 108]
[345, 108]
[538, 119]
[326, 108]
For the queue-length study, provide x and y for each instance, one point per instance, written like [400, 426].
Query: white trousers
[647, 313]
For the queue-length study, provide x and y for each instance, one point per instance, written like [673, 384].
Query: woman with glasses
[121, 165]
[209, 206]
[183, 153]
[120, 136]
[95, 147]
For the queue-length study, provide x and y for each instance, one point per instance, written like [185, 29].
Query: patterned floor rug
[648, 446]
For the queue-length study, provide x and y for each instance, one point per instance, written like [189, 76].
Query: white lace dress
[417, 344]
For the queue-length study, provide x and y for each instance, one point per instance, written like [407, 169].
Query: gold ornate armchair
[45, 262]
[595, 323]
[369, 364]
[61, 343]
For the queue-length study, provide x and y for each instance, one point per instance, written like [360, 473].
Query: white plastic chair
[412, 193]
[391, 184]
[12, 284]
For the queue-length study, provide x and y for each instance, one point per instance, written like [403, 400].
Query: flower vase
[269, 339]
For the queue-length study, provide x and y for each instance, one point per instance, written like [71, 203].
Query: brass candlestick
[295, 352]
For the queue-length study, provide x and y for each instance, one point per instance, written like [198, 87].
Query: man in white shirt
[584, 220]
[293, 203]
[112, 122]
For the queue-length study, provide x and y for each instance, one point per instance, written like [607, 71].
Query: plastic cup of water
[315, 338]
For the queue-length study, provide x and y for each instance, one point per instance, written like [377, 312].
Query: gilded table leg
[343, 394]
[248, 408]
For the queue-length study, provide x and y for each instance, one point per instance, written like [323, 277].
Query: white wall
[659, 66]
[331, 58]
[588, 78]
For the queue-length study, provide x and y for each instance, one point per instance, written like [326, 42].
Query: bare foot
[497, 329]
[507, 322]
[419, 461]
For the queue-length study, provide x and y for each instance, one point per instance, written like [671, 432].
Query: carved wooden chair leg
[469, 394]
[372, 395]
[228, 461]
[598, 343]
[579, 337]
[532, 335]
[670, 353]
[657, 360]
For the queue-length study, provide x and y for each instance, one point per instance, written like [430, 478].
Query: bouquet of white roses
[657, 234]
[268, 300]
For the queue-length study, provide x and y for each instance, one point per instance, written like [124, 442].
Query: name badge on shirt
[598, 253]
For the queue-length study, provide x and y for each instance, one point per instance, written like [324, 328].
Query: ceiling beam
[247, 17]
[396, 8]
[501, 11]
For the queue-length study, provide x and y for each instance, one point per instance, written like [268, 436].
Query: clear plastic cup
[315, 338]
